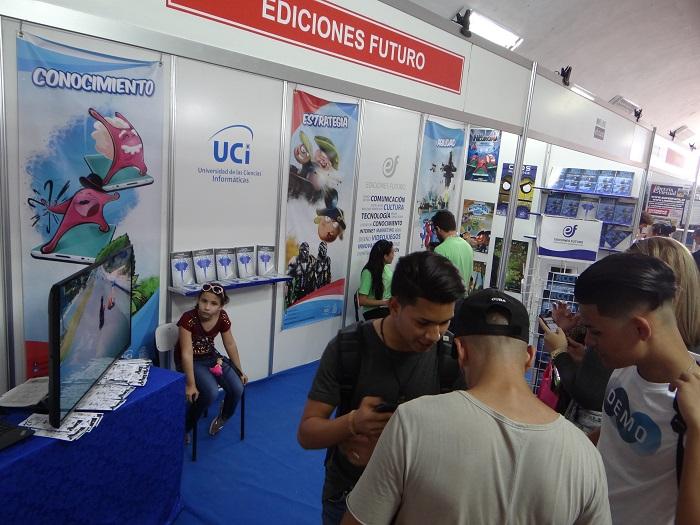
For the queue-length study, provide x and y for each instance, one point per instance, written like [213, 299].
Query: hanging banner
[668, 202]
[385, 184]
[90, 142]
[333, 30]
[482, 156]
[525, 191]
[321, 172]
[436, 187]
[566, 238]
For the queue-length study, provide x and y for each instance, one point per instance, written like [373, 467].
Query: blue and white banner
[436, 187]
[90, 160]
[566, 238]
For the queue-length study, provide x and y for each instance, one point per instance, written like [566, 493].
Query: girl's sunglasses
[214, 288]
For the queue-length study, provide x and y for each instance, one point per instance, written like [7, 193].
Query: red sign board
[327, 28]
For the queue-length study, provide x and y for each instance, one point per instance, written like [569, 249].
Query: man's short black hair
[622, 282]
[426, 275]
[444, 220]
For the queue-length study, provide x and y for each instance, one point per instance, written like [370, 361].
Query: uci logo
[569, 231]
[232, 143]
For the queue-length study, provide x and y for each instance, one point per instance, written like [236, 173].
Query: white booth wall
[494, 93]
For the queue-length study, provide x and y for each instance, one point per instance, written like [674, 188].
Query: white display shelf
[194, 289]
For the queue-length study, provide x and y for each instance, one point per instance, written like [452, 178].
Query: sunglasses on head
[214, 288]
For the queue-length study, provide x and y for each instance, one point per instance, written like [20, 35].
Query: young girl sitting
[203, 366]
[375, 281]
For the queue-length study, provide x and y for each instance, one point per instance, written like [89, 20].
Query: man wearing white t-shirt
[491, 454]
[626, 304]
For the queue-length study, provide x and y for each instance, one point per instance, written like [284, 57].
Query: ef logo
[389, 166]
[569, 231]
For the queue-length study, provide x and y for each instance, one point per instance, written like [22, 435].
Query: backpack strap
[449, 370]
[679, 427]
[350, 344]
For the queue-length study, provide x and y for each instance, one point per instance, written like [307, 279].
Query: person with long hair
[375, 281]
[687, 301]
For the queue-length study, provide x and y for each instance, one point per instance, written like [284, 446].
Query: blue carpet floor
[268, 477]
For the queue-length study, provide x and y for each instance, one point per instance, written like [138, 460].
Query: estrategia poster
[90, 146]
[321, 173]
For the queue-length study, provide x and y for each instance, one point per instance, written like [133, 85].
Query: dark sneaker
[216, 425]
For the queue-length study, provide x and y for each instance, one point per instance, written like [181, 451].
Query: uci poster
[321, 173]
[436, 187]
[90, 142]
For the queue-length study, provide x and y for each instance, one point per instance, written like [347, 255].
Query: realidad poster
[436, 187]
[321, 172]
[90, 143]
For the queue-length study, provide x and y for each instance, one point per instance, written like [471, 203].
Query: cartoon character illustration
[527, 184]
[322, 269]
[331, 219]
[86, 206]
[448, 171]
[317, 174]
[124, 147]
[301, 270]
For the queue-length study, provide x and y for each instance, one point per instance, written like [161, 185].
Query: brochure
[204, 266]
[266, 260]
[569, 205]
[624, 213]
[225, 263]
[245, 257]
[604, 185]
[606, 209]
[622, 184]
[587, 208]
[181, 269]
[553, 205]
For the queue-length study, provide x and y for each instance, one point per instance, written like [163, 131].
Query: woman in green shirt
[375, 281]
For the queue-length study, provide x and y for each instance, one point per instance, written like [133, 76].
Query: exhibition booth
[270, 144]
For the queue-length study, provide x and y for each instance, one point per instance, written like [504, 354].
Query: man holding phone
[398, 358]
[473, 456]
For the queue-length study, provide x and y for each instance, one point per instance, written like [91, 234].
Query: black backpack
[350, 344]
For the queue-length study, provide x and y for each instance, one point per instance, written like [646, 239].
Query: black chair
[356, 302]
[166, 338]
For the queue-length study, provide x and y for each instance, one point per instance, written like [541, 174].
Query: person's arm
[191, 391]
[688, 396]
[317, 430]
[597, 509]
[376, 497]
[363, 293]
[594, 436]
[232, 351]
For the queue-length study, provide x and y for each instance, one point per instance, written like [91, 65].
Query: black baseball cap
[471, 317]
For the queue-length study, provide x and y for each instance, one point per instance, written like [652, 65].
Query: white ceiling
[645, 50]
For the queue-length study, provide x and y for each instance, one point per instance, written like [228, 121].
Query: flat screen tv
[89, 328]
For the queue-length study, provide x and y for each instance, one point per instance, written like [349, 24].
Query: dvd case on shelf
[266, 260]
[225, 263]
[245, 258]
[181, 269]
[204, 265]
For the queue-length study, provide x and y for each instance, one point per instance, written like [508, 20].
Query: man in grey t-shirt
[492, 454]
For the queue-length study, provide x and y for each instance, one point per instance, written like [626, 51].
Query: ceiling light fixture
[583, 92]
[490, 30]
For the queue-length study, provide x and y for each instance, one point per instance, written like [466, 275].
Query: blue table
[127, 470]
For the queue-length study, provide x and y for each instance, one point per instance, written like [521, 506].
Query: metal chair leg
[194, 441]
[243, 415]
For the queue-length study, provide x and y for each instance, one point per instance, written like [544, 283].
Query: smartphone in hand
[549, 322]
[386, 407]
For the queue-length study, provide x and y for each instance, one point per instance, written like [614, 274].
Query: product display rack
[194, 289]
